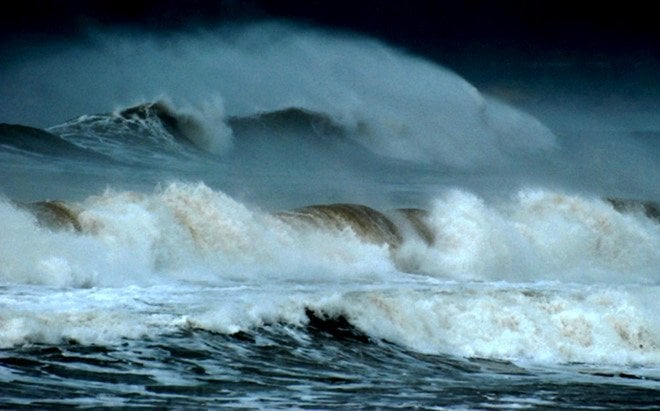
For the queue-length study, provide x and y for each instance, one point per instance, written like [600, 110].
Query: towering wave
[244, 92]
[395, 104]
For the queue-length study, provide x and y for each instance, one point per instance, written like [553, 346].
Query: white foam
[539, 235]
[533, 324]
[545, 277]
[180, 231]
[560, 325]
[32, 255]
[90, 316]
[131, 238]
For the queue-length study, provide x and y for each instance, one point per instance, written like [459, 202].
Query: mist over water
[399, 105]
[395, 104]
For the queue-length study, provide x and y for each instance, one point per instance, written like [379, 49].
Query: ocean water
[273, 216]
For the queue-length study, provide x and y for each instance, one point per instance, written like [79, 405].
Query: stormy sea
[280, 216]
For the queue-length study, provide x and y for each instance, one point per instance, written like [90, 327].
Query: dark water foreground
[326, 365]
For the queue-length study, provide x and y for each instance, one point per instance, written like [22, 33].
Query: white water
[545, 277]
[538, 235]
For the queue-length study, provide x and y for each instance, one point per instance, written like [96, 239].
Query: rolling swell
[288, 119]
[139, 134]
[296, 141]
[37, 141]
[151, 132]
[160, 112]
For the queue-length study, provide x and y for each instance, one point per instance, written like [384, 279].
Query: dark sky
[527, 29]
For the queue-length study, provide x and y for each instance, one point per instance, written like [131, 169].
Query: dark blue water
[280, 367]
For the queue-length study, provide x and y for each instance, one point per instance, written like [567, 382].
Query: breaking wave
[538, 235]
[148, 131]
[527, 280]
